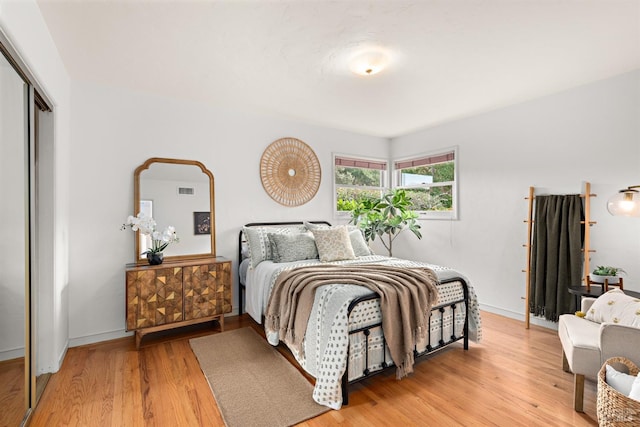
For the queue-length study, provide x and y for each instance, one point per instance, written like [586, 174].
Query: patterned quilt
[327, 342]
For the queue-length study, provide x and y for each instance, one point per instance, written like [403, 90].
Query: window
[430, 181]
[146, 208]
[356, 179]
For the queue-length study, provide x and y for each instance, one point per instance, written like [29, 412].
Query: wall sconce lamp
[625, 203]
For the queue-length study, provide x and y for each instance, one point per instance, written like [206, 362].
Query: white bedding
[327, 342]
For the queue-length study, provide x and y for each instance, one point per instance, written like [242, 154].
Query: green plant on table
[605, 270]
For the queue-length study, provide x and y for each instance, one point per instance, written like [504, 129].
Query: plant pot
[155, 258]
[611, 280]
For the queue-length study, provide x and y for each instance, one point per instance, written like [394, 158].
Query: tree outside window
[430, 182]
[357, 179]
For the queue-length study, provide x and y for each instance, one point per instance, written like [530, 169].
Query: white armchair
[586, 345]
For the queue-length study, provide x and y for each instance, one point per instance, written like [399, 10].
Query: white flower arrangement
[147, 226]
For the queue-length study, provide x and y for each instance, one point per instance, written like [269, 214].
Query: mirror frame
[136, 206]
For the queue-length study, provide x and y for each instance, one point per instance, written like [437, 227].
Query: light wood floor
[512, 378]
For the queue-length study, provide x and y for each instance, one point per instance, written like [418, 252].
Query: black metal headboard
[241, 285]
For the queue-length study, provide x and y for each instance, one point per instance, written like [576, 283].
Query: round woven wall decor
[290, 172]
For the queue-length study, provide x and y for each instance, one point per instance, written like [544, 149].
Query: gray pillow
[292, 247]
[311, 226]
[259, 247]
[359, 244]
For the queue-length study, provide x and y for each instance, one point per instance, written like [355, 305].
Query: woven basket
[614, 408]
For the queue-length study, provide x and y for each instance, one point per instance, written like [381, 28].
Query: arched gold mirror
[177, 193]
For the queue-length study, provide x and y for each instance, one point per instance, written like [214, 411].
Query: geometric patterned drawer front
[177, 293]
[207, 290]
[154, 297]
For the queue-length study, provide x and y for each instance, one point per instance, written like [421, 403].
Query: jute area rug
[253, 384]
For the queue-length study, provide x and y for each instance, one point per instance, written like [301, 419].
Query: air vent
[186, 191]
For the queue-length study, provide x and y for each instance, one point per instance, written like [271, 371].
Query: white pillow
[245, 249]
[333, 244]
[620, 381]
[615, 307]
[635, 389]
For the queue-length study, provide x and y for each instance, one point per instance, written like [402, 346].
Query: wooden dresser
[177, 293]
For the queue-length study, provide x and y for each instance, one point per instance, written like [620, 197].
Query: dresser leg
[221, 320]
[138, 339]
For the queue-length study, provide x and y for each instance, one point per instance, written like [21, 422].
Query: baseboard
[11, 354]
[95, 338]
[112, 335]
[538, 321]
[63, 354]
[121, 333]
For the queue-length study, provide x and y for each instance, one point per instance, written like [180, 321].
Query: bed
[344, 342]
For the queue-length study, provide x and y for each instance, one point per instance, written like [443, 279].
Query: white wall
[115, 130]
[591, 133]
[23, 25]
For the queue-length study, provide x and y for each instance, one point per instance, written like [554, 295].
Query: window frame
[385, 185]
[448, 215]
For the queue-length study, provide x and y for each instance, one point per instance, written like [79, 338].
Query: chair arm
[619, 341]
[587, 302]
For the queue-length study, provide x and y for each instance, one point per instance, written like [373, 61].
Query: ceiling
[447, 59]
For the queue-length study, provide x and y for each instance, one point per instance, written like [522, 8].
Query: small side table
[595, 291]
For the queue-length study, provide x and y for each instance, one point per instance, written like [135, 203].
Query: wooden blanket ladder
[586, 248]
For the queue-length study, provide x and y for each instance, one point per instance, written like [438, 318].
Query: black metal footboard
[443, 340]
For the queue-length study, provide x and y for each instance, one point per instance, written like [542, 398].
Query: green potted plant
[605, 272]
[386, 218]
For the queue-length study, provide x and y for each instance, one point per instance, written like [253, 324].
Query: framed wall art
[201, 223]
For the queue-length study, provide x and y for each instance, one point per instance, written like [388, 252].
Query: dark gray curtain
[556, 255]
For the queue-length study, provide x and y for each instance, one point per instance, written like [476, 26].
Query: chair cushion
[580, 342]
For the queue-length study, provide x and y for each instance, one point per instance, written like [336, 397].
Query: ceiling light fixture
[369, 62]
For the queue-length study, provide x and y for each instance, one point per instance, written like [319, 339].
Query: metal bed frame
[440, 310]
[442, 342]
